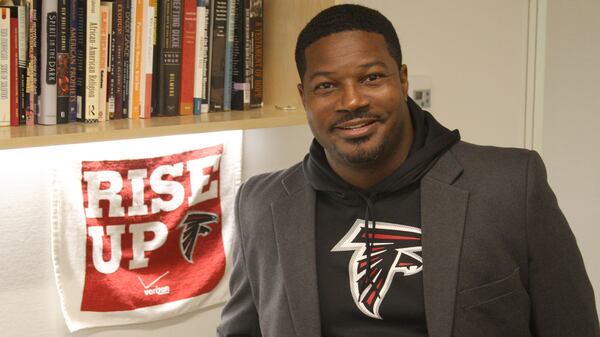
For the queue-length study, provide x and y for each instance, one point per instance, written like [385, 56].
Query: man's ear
[301, 91]
[404, 80]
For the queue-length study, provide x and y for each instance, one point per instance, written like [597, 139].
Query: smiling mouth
[356, 128]
[355, 123]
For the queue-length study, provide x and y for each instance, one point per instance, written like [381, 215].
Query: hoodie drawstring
[369, 235]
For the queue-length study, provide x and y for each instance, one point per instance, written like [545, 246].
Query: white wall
[475, 52]
[571, 120]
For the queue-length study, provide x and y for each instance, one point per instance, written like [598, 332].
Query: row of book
[65, 61]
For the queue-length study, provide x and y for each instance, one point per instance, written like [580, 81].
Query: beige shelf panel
[44, 135]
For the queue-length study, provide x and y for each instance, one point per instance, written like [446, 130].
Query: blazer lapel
[294, 226]
[443, 209]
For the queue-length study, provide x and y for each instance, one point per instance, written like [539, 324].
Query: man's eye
[323, 87]
[372, 77]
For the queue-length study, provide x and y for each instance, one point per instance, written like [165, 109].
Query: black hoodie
[369, 276]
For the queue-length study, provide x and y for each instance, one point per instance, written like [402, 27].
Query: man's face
[354, 96]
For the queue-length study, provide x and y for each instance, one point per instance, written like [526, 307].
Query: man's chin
[360, 154]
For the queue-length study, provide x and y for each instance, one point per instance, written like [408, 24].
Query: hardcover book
[217, 55]
[188, 57]
[170, 57]
[62, 63]
[201, 57]
[256, 37]
[92, 65]
[48, 94]
[240, 96]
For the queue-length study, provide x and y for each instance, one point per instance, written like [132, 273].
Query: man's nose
[352, 98]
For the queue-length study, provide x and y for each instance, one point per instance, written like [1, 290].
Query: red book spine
[14, 70]
[188, 55]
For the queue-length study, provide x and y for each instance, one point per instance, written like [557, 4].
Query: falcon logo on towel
[195, 224]
[396, 249]
[145, 220]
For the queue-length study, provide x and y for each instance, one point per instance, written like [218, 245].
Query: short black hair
[342, 18]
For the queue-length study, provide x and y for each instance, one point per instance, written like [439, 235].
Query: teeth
[354, 127]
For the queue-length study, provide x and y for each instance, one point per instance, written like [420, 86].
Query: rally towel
[141, 229]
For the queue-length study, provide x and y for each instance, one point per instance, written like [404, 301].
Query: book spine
[73, 38]
[148, 59]
[188, 56]
[23, 50]
[240, 97]
[5, 68]
[33, 67]
[200, 55]
[126, 56]
[155, 59]
[136, 53]
[81, 51]
[117, 57]
[14, 66]
[170, 58]
[229, 34]
[110, 94]
[92, 66]
[63, 63]
[206, 61]
[47, 93]
[103, 62]
[256, 36]
[217, 58]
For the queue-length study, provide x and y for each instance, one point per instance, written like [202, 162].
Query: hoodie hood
[431, 139]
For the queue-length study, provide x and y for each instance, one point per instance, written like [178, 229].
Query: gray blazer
[499, 259]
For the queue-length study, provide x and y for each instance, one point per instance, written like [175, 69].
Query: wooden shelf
[44, 135]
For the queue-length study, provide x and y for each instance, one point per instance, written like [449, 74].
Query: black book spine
[73, 33]
[63, 63]
[256, 36]
[81, 59]
[170, 56]
[23, 49]
[217, 57]
[126, 56]
[240, 99]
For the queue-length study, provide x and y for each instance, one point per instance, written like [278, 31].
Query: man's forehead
[363, 48]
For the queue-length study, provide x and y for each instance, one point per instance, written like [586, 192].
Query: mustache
[348, 116]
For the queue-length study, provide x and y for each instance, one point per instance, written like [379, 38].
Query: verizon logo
[149, 291]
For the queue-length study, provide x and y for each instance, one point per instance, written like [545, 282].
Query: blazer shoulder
[490, 159]
[271, 186]
[492, 168]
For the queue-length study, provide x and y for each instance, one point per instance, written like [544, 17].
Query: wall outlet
[419, 88]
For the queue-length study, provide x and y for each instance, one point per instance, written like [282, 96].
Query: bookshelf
[283, 19]
[45, 135]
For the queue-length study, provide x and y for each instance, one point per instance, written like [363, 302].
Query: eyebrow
[364, 65]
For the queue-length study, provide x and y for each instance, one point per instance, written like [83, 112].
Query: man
[392, 226]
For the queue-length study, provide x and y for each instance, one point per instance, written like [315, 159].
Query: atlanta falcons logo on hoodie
[394, 249]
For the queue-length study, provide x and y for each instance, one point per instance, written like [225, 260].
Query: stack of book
[89, 61]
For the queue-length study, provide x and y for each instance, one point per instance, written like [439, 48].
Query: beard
[360, 155]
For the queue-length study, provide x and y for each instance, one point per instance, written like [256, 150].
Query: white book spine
[199, 62]
[47, 109]
[92, 78]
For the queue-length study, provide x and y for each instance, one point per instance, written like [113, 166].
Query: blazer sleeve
[562, 299]
[239, 317]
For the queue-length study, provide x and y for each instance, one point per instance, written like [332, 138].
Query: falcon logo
[195, 224]
[396, 249]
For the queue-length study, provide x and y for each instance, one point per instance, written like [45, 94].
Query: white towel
[141, 229]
